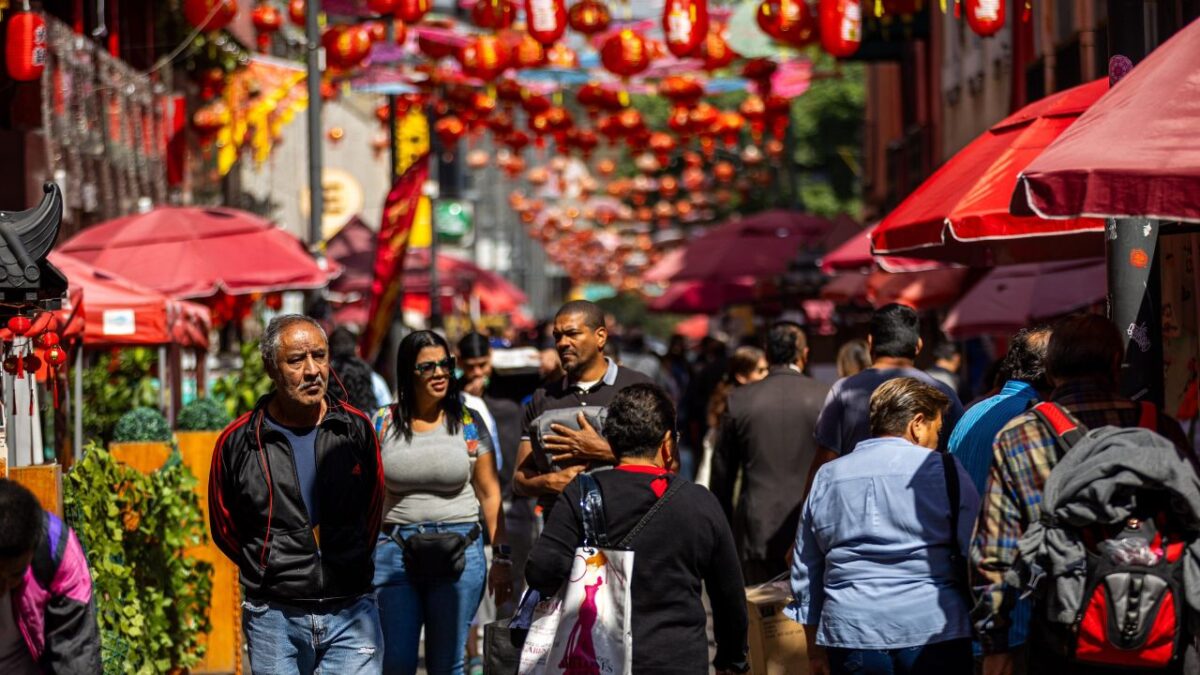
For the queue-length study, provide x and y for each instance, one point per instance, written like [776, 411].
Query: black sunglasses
[428, 367]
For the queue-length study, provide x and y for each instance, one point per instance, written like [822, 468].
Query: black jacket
[259, 520]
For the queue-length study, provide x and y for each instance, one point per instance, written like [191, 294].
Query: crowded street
[600, 337]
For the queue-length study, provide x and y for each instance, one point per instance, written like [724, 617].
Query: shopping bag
[504, 640]
[586, 628]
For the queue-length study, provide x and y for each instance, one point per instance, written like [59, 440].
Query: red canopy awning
[760, 245]
[198, 252]
[121, 312]
[1013, 297]
[1135, 153]
[961, 212]
[931, 289]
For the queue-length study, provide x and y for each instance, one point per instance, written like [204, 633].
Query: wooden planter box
[43, 480]
[224, 639]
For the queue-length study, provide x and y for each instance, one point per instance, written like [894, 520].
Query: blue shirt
[845, 421]
[972, 442]
[304, 455]
[872, 560]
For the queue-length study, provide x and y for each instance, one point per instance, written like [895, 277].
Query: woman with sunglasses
[440, 473]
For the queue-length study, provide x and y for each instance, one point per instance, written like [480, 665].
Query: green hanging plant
[151, 598]
[142, 424]
[203, 414]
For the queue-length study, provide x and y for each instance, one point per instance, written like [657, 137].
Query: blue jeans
[286, 639]
[444, 607]
[952, 657]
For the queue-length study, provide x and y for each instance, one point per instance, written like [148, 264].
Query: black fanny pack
[434, 555]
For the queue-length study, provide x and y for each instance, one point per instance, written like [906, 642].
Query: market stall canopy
[496, 294]
[855, 254]
[846, 288]
[761, 245]
[353, 249]
[1012, 297]
[961, 212]
[931, 289]
[189, 252]
[121, 312]
[1136, 153]
[703, 297]
[694, 328]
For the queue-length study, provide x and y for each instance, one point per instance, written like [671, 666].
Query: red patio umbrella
[761, 245]
[1136, 153]
[694, 328]
[703, 297]
[846, 288]
[961, 212]
[855, 254]
[496, 294]
[198, 252]
[1015, 296]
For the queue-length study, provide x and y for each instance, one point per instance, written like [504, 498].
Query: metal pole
[435, 178]
[77, 405]
[1134, 294]
[394, 151]
[313, 54]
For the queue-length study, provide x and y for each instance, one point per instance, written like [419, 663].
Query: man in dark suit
[767, 433]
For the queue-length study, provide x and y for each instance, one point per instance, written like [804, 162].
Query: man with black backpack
[1083, 361]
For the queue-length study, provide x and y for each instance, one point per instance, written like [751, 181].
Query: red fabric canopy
[703, 297]
[496, 294]
[846, 288]
[198, 252]
[855, 254]
[961, 212]
[121, 312]
[1135, 153]
[761, 245]
[922, 291]
[695, 328]
[1013, 297]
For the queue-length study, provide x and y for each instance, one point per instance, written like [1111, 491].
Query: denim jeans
[443, 607]
[286, 639]
[952, 657]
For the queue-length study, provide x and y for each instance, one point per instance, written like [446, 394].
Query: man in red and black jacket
[295, 497]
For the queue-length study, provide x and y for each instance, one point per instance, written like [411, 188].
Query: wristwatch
[501, 551]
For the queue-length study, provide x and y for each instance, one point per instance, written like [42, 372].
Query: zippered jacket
[54, 608]
[259, 519]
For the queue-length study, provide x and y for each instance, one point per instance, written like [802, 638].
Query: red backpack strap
[1067, 431]
[1149, 416]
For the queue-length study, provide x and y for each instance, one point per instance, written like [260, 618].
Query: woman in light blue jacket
[878, 573]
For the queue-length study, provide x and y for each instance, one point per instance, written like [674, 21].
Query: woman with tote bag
[674, 530]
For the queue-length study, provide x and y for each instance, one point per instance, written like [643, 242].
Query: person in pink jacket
[47, 619]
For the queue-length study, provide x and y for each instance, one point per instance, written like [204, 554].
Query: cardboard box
[777, 645]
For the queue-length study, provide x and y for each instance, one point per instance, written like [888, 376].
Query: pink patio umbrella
[1015, 296]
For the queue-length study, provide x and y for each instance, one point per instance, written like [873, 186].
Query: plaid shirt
[1022, 457]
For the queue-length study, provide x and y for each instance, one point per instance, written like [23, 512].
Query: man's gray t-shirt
[845, 418]
[429, 479]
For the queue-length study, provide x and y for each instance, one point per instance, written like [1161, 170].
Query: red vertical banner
[399, 214]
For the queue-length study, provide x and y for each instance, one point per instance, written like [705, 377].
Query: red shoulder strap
[1149, 418]
[1066, 430]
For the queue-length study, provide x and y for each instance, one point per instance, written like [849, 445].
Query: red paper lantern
[25, 50]
[985, 17]
[724, 172]
[662, 145]
[716, 51]
[841, 26]
[433, 48]
[209, 15]
[685, 25]
[789, 21]
[19, 324]
[346, 46]
[485, 57]
[681, 90]
[267, 19]
[546, 20]
[562, 56]
[589, 17]
[729, 126]
[526, 52]
[703, 117]
[449, 131]
[680, 121]
[47, 339]
[32, 363]
[296, 12]
[382, 7]
[586, 140]
[54, 356]
[624, 53]
[517, 140]
[412, 11]
[494, 14]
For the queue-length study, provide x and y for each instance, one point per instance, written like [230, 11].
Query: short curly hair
[638, 418]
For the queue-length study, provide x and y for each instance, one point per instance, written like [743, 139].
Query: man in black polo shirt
[592, 380]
